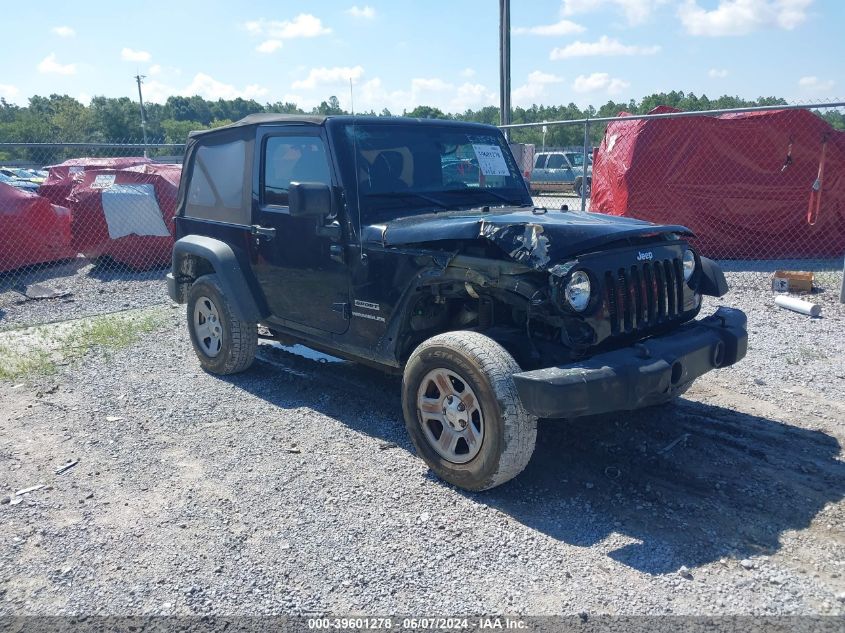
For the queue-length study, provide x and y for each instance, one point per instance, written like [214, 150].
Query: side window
[556, 161]
[541, 159]
[576, 160]
[290, 159]
[217, 178]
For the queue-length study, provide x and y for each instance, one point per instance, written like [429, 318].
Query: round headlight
[689, 264]
[578, 290]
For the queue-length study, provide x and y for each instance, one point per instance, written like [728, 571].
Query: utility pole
[139, 79]
[505, 64]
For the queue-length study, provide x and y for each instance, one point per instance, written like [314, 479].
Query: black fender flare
[229, 271]
[712, 280]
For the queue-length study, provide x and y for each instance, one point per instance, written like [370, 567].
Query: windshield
[576, 160]
[407, 168]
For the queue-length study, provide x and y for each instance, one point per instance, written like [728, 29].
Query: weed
[39, 350]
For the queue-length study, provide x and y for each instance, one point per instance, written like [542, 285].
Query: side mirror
[309, 199]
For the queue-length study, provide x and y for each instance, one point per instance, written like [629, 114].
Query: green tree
[332, 106]
[177, 131]
[426, 112]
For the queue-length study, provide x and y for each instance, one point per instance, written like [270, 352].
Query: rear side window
[217, 182]
[541, 159]
[556, 161]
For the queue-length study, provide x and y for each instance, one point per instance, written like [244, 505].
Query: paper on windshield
[491, 162]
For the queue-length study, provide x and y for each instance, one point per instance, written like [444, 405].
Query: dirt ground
[292, 488]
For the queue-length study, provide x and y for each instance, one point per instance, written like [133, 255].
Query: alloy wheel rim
[207, 327]
[450, 415]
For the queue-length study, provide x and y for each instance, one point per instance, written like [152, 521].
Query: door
[538, 173]
[301, 267]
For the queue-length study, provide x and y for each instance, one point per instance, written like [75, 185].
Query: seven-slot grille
[643, 296]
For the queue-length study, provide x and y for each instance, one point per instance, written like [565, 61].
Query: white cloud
[269, 46]
[534, 90]
[468, 72]
[472, 96]
[564, 27]
[432, 91]
[600, 82]
[130, 55]
[203, 85]
[84, 98]
[303, 25]
[210, 88]
[9, 92]
[421, 85]
[366, 12]
[814, 84]
[604, 47]
[155, 69]
[336, 75]
[739, 17]
[49, 65]
[63, 31]
[717, 73]
[635, 11]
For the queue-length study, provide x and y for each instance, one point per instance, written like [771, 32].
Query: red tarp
[60, 178]
[724, 177]
[126, 214]
[32, 230]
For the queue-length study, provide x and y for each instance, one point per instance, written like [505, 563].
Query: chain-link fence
[762, 188]
[87, 228]
[84, 228]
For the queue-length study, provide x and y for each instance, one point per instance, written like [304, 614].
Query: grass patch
[40, 350]
[14, 364]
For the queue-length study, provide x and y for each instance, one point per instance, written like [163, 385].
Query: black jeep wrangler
[414, 246]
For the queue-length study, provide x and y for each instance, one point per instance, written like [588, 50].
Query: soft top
[264, 117]
[269, 117]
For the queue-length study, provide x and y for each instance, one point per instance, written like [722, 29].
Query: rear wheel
[223, 343]
[578, 184]
[463, 413]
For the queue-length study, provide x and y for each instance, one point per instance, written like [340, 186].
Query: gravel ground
[87, 289]
[293, 489]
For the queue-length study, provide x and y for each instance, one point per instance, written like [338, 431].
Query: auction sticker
[491, 162]
[103, 181]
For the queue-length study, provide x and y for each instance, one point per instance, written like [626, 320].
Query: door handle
[262, 231]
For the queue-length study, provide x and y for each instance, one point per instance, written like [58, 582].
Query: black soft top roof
[265, 118]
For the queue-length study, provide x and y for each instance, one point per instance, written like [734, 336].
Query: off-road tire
[510, 432]
[239, 340]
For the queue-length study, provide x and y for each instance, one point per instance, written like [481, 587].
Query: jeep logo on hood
[644, 255]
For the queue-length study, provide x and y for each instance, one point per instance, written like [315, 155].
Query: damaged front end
[554, 288]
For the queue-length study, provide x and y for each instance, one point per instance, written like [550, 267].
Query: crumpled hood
[534, 239]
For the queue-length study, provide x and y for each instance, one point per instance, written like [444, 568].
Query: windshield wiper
[407, 194]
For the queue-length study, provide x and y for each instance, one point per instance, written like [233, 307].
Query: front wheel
[223, 343]
[463, 412]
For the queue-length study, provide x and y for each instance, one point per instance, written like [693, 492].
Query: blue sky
[401, 53]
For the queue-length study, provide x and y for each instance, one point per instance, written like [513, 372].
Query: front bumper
[644, 374]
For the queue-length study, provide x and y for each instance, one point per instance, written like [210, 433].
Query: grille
[644, 296]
